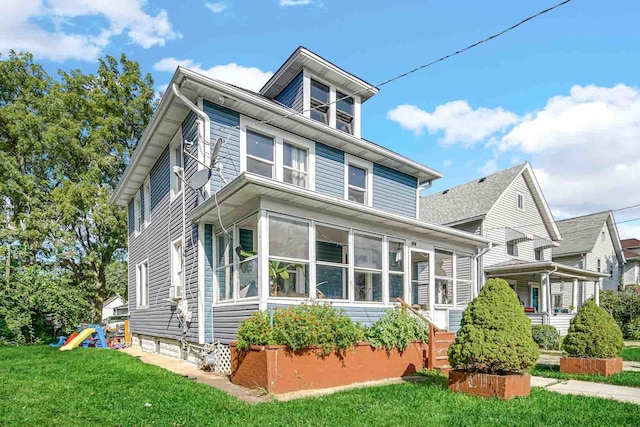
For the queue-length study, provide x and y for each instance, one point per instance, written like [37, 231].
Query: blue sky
[561, 91]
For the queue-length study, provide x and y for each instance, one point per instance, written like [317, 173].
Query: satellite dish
[216, 149]
[199, 179]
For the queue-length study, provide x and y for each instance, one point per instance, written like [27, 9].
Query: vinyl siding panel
[363, 315]
[225, 124]
[506, 214]
[571, 261]
[226, 319]
[455, 320]
[292, 94]
[208, 283]
[473, 227]
[329, 171]
[631, 272]
[394, 191]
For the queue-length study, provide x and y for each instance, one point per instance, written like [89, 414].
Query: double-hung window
[288, 258]
[512, 248]
[396, 270]
[319, 99]
[224, 266]
[146, 198]
[444, 277]
[177, 268]
[520, 201]
[367, 251]
[142, 284]
[463, 279]
[344, 112]
[260, 154]
[294, 165]
[357, 183]
[332, 262]
[137, 211]
[177, 165]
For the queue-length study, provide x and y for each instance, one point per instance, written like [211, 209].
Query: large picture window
[260, 157]
[332, 262]
[367, 251]
[248, 258]
[396, 270]
[288, 258]
[444, 277]
[224, 266]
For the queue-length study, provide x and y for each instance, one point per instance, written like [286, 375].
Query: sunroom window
[247, 253]
[224, 270]
[332, 262]
[367, 268]
[396, 270]
[295, 168]
[463, 279]
[444, 277]
[344, 113]
[319, 99]
[420, 272]
[357, 184]
[288, 258]
[260, 157]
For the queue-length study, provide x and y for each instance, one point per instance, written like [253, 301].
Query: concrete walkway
[586, 388]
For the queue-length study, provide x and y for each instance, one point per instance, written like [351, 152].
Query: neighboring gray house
[509, 208]
[592, 242]
[294, 186]
[631, 251]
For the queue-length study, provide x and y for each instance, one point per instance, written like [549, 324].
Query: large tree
[64, 143]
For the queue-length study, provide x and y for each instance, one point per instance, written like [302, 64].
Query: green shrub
[623, 306]
[301, 326]
[495, 334]
[546, 336]
[397, 329]
[632, 329]
[593, 334]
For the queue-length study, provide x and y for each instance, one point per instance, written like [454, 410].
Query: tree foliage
[64, 143]
[624, 307]
[593, 334]
[495, 335]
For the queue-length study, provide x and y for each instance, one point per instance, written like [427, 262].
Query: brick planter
[279, 370]
[578, 365]
[488, 385]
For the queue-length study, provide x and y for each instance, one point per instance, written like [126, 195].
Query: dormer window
[319, 99]
[344, 113]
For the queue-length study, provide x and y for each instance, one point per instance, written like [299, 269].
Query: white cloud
[23, 27]
[489, 167]
[216, 7]
[447, 163]
[629, 230]
[456, 120]
[284, 3]
[251, 78]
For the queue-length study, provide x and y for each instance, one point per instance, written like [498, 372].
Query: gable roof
[475, 199]
[582, 232]
[630, 243]
[112, 299]
[631, 249]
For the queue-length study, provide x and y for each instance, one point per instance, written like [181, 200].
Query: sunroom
[275, 244]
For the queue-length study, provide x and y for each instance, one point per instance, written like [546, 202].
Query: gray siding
[329, 171]
[571, 261]
[226, 319]
[224, 124]
[605, 251]
[631, 272]
[394, 191]
[208, 283]
[455, 320]
[363, 315]
[473, 227]
[292, 94]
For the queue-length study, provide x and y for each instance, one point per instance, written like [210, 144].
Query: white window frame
[137, 213]
[553, 306]
[330, 109]
[368, 167]
[280, 137]
[177, 272]
[352, 115]
[229, 262]
[465, 281]
[537, 251]
[146, 192]
[175, 179]
[519, 199]
[388, 272]
[142, 271]
[260, 159]
[353, 268]
[598, 265]
[513, 244]
[452, 278]
[346, 265]
[533, 286]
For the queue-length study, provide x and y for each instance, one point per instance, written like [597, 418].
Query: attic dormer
[306, 83]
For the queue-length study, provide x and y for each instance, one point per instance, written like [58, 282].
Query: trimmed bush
[300, 326]
[495, 334]
[546, 336]
[396, 329]
[624, 307]
[593, 334]
[633, 329]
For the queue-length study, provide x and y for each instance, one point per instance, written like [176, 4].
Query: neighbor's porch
[550, 293]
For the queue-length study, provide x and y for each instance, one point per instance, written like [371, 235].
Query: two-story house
[241, 201]
[509, 209]
[631, 269]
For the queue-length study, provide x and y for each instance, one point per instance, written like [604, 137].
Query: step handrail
[417, 313]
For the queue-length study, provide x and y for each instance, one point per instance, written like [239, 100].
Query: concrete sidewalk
[586, 388]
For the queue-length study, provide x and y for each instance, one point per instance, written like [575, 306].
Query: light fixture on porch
[399, 255]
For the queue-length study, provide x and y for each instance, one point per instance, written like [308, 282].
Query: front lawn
[626, 378]
[43, 386]
[631, 354]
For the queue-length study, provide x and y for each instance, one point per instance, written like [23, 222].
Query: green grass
[631, 354]
[43, 386]
[626, 378]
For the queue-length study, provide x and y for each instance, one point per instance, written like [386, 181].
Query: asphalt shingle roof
[581, 233]
[468, 200]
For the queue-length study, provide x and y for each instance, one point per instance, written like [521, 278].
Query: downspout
[548, 293]
[480, 267]
[201, 114]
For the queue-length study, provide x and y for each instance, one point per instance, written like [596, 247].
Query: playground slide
[86, 333]
[71, 337]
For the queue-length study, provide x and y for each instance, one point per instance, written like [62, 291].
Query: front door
[535, 297]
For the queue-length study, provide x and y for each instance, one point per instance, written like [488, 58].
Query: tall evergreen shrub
[593, 334]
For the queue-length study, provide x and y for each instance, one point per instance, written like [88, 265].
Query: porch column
[545, 292]
[263, 259]
[596, 294]
[574, 301]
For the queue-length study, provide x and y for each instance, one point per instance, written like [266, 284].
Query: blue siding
[226, 319]
[208, 283]
[225, 124]
[329, 171]
[394, 191]
[292, 94]
[363, 315]
[455, 320]
[160, 179]
[141, 204]
[131, 216]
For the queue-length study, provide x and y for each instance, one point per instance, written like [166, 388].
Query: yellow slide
[86, 333]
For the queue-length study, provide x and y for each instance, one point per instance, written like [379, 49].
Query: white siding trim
[201, 285]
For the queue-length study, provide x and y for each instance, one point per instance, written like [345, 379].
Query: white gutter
[203, 116]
